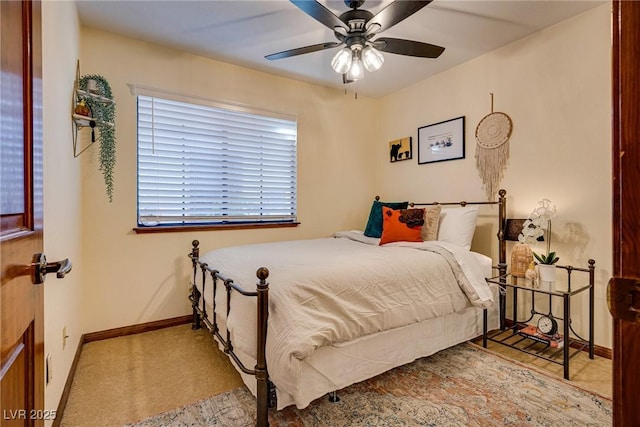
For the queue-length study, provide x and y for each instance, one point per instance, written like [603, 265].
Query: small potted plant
[539, 225]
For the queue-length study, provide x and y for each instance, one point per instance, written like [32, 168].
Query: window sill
[211, 227]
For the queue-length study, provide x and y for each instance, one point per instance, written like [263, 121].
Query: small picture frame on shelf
[400, 149]
[441, 141]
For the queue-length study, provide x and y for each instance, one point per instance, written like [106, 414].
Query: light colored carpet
[123, 379]
[461, 386]
[130, 378]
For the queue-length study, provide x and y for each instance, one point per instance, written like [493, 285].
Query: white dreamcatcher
[492, 152]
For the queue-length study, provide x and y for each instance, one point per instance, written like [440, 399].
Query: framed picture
[441, 141]
[400, 149]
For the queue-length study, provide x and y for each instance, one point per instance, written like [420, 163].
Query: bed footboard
[265, 392]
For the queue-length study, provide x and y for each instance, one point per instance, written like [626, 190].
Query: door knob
[40, 267]
[623, 298]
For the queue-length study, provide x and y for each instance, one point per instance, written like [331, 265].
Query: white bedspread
[331, 290]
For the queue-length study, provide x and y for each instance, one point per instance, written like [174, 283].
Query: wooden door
[623, 293]
[21, 302]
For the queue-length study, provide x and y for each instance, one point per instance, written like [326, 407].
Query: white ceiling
[242, 32]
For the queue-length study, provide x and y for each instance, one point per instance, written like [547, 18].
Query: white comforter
[326, 291]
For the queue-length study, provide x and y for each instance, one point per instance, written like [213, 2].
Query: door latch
[623, 298]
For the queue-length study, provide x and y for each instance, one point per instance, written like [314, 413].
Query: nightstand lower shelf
[510, 337]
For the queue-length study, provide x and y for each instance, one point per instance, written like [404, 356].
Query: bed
[345, 308]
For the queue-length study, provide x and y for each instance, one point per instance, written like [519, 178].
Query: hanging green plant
[100, 100]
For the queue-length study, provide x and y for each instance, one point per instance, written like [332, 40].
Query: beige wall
[555, 86]
[134, 278]
[62, 193]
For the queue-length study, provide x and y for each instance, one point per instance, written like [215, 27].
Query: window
[207, 163]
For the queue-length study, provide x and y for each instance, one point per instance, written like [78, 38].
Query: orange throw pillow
[401, 225]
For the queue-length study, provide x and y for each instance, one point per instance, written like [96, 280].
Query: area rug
[461, 386]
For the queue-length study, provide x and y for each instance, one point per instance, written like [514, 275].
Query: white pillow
[457, 225]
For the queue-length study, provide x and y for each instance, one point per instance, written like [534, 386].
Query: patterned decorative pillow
[431, 220]
[374, 224]
[401, 225]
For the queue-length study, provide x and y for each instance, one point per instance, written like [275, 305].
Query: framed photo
[400, 149]
[441, 141]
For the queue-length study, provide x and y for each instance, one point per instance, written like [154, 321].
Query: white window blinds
[200, 164]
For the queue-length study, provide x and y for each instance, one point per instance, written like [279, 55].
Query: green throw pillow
[374, 225]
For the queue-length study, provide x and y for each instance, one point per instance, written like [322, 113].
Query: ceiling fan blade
[397, 11]
[320, 14]
[303, 50]
[407, 47]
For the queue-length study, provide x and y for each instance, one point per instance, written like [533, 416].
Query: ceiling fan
[355, 29]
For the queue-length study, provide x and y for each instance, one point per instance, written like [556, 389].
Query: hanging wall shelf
[94, 110]
[81, 121]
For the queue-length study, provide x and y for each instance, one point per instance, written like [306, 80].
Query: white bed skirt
[334, 367]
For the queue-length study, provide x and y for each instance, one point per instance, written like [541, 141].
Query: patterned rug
[461, 386]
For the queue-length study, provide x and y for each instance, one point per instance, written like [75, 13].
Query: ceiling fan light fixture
[372, 58]
[341, 62]
[354, 31]
[356, 71]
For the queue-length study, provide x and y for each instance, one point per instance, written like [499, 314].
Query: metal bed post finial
[195, 250]
[262, 376]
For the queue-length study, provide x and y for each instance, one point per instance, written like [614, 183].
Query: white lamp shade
[356, 72]
[341, 61]
[372, 58]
